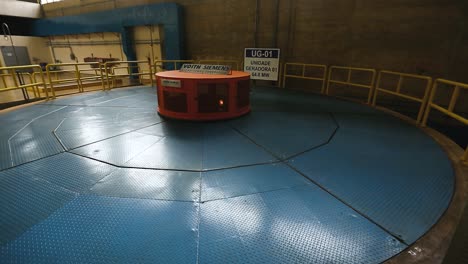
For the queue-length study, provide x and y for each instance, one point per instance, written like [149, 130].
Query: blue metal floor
[101, 178]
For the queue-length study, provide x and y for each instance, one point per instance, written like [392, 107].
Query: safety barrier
[397, 92]
[349, 71]
[16, 76]
[28, 80]
[74, 75]
[132, 68]
[233, 63]
[32, 79]
[3, 76]
[41, 89]
[280, 81]
[322, 78]
[7, 79]
[451, 105]
[95, 73]
[161, 65]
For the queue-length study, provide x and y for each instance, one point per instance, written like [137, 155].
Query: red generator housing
[200, 97]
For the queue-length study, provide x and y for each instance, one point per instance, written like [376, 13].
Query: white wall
[107, 44]
[37, 48]
[104, 45]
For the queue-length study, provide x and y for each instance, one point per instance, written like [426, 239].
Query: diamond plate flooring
[25, 200]
[94, 229]
[101, 178]
[315, 130]
[388, 164]
[150, 184]
[234, 182]
[66, 170]
[297, 225]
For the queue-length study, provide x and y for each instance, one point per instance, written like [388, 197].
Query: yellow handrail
[34, 78]
[111, 75]
[280, 75]
[13, 71]
[160, 64]
[35, 89]
[349, 82]
[322, 78]
[450, 108]
[401, 77]
[427, 101]
[3, 79]
[76, 70]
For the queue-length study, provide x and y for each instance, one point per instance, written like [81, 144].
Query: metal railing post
[285, 71]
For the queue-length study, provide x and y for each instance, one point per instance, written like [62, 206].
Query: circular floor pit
[100, 177]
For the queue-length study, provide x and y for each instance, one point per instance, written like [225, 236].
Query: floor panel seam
[169, 169]
[128, 132]
[285, 162]
[347, 204]
[21, 129]
[115, 99]
[59, 186]
[199, 219]
[105, 176]
[330, 138]
[97, 106]
[141, 152]
[56, 136]
[31, 161]
[137, 198]
[255, 193]
[243, 166]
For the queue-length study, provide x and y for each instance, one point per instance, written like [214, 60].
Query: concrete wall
[416, 36]
[214, 29]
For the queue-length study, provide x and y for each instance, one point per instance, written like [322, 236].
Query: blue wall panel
[169, 15]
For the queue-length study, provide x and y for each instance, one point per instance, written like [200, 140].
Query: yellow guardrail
[349, 82]
[451, 106]
[33, 80]
[34, 89]
[76, 73]
[95, 75]
[55, 73]
[2, 75]
[40, 88]
[159, 64]
[13, 72]
[280, 75]
[280, 81]
[110, 70]
[233, 63]
[322, 78]
[397, 92]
